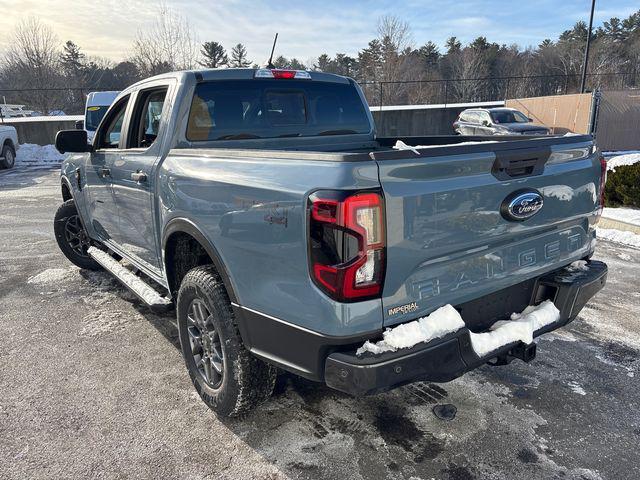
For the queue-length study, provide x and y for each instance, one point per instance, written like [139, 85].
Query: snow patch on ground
[521, 327]
[104, 322]
[619, 236]
[443, 321]
[623, 214]
[30, 154]
[576, 388]
[51, 275]
[619, 160]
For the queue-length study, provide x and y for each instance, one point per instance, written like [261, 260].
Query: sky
[306, 28]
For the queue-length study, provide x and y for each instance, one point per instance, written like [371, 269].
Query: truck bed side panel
[253, 210]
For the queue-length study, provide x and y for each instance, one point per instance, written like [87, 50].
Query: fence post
[446, 92]
[381, 112]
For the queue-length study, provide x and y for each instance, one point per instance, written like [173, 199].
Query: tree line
[39, 71]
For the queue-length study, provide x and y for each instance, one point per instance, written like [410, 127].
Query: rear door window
[265, 108]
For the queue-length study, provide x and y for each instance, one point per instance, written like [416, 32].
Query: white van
[97, 105]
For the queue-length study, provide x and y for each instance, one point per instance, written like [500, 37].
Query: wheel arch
[67, 191]
[174, 229]
[9, 142]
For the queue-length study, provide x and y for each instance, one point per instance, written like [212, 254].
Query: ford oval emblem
[521, 205]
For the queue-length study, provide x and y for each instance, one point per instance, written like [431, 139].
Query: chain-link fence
[71, 100]
[468, 90]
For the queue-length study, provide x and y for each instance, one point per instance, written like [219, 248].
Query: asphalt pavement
[93, 385]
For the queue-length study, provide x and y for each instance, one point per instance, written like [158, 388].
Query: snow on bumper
[440, 347]
[446, 320]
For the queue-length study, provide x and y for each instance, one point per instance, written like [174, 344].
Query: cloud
[307, 28]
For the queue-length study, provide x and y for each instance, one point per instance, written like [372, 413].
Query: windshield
[93, 117]
[507, 116]
[265, 108]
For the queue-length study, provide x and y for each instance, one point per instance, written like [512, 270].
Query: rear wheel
[72, 237]
[9, 155]
[229, 379]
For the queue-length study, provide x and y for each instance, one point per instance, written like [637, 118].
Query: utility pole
[586, 50]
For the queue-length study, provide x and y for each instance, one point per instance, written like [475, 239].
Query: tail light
[347, 244]
[603, 182]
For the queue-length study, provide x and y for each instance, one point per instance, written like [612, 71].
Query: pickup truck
[262, 205]
[8, 146]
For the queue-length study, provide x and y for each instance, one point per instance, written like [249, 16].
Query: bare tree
[169, 44]
[397, 57]
[32, 63]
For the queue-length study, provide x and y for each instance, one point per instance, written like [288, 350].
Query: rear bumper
[444, 359]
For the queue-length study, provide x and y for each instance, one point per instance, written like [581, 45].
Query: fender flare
[64, 181]
[184, 225]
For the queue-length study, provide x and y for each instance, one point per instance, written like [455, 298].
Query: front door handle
[105, 172]
[139, 176]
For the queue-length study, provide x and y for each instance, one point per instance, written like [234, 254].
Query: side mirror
[530, 119]
[74, 141]
[79, 124]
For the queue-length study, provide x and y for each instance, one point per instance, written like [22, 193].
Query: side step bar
[142, 290]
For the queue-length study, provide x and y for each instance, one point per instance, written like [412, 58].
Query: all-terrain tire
[8, 156]
[72, 237]
[244, 381]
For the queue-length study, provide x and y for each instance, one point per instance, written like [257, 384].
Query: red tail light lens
[603, 182]
[347, 244]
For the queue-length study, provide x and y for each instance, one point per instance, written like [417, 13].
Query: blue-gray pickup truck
[287, 234]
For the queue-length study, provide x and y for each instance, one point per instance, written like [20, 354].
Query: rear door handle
[105, 172]
[139, 176]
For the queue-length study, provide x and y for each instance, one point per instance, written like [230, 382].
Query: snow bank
[622, 214]
[619, 160]
[619, 236]
[30, 154]
[443, 321]
[521, 328]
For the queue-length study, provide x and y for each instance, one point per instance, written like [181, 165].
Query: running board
[142, 290]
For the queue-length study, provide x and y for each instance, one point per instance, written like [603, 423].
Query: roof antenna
[269, 63]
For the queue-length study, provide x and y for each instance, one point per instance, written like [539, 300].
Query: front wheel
[72, 237]
[229, 379]
[9, 155]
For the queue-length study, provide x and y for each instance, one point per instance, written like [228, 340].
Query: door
[103, 210]
[133, 176]
[484, 124]
[472, 120]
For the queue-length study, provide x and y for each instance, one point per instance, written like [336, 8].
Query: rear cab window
[266, 108]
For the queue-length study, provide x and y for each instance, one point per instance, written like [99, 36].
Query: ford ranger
[287, 234]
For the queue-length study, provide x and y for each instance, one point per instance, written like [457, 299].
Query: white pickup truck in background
[8, 146]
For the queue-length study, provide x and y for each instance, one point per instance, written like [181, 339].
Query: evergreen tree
[214, 55]
[71, 58]
[453, 45]
[239, 57]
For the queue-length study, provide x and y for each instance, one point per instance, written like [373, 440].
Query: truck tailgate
[450, 238]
